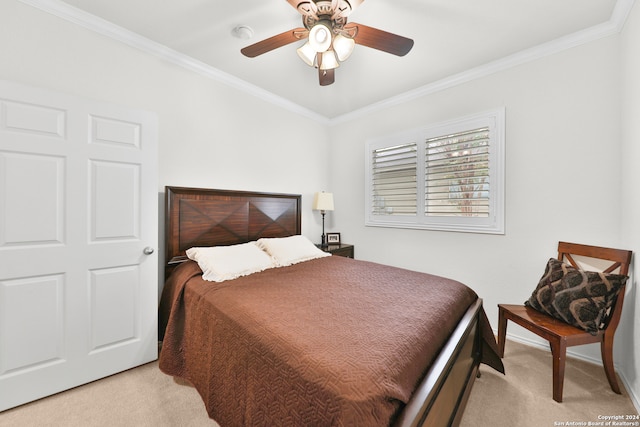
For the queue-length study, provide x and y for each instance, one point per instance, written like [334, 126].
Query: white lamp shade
[323, 201]
[307, 54]
[320, 37]
[329, 61]
[343, 46]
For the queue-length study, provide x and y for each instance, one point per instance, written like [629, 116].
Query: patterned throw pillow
[581, 298]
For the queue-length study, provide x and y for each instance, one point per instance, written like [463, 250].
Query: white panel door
[78, 239]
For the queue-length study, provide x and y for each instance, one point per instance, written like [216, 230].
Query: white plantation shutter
[457, 174]
[449, 176]
[394, 179]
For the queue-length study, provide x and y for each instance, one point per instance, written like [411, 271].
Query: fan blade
[326, 77]
[274, 42]
[381, 40]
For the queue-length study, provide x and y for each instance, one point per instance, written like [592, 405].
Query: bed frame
[205, 217]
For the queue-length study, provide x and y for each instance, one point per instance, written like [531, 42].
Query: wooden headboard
[206, 217]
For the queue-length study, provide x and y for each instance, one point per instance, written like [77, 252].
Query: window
[449, 176]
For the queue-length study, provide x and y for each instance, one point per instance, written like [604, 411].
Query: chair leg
[502, 331]
[606, 349]
[559, 354]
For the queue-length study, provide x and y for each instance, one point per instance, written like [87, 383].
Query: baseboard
[543, 345]
[635, 399]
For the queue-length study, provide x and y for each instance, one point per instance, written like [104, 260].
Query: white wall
[629, 330]
[563, 174]
[565, 124]
[562, 177]
[210, 135]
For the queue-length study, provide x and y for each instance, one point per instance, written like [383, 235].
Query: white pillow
[290, 250]
[220, 263]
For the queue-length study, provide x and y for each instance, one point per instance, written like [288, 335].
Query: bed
[327, 341]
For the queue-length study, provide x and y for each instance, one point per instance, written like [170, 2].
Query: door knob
[148, 250]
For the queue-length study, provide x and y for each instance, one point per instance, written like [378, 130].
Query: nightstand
[340, 250]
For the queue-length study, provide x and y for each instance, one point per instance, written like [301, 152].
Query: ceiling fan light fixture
[307, 54]
[320, 37]
[330, 39]
[343, 46]
[329, 60]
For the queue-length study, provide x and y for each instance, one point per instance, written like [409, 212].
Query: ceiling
[451, 38]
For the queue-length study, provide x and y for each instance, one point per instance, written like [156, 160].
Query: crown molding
[63, 10]
[109, 29]
[621, 13]
[606, 29]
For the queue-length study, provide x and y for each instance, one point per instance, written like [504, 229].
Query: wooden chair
[562, 335]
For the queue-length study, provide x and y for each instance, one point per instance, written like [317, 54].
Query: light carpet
[144, 396]
[523, 397]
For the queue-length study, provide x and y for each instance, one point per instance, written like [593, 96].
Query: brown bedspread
[327, 342]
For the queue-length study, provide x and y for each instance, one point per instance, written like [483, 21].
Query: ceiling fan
[330, 38]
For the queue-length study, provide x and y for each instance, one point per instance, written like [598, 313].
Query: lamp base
[323, 242]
